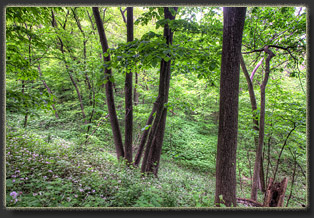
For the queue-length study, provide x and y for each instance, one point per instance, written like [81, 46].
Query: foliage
[65, 163]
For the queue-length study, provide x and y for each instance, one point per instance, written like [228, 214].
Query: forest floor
[44, 169]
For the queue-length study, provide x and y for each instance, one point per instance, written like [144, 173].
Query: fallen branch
[249, 202]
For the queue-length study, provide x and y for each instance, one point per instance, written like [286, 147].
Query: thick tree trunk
[128, 95]
[154, 144]
[109, 88]
[259, 150]
[234, 18]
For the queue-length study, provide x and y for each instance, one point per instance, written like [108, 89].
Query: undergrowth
[46, 167]
[59, 174]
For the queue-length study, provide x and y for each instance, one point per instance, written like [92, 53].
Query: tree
[228, 107]
[249, 80]
[109, 86]
[25, 48]
[288, 40]
[48, 89]
[63, 46]
[151, 158]
[128, 95]
[259, 150]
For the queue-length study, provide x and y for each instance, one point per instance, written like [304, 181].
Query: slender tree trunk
[251, 92]
[26, 115]
[87, 81]
[128, 95]
[93, 111]
[136, 94]
[144, 137]
[268, 157]
[151, 158]
[91, 21]
[281, 150]
[234, 18]
[259, 150]
[254, 112]
[23, 81]
[78, 96]
[54, 24]
[49, 91]
[255, 69]
[293, 176]
[109, 87]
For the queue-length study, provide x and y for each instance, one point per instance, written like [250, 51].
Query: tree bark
[234, 18]
[128, 95]
[144, 137]
[261, 127]
[109, 88]
[136, 94]
[151, 158]
[125, 20]
[275, 193]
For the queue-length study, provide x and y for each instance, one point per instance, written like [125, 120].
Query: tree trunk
[261, 127]
[154, 144]
[281, 150]
[109, 88]
[144, 137]
[128, 95]
[26, 115]
[254, 113]
[54, 24]
[293, 175]
[234, 18]
[78, 96]
[49, 91]
[87, 81]
[136, 94]
[275, 193]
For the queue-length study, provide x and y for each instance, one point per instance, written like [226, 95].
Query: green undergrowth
[188, 144]
[51, 167]
[59, 174]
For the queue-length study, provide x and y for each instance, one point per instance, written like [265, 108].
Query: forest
[158, 107]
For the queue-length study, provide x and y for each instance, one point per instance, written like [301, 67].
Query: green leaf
[146, 127]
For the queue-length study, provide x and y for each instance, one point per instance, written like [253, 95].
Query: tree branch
[255, 69]
[122, 13]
